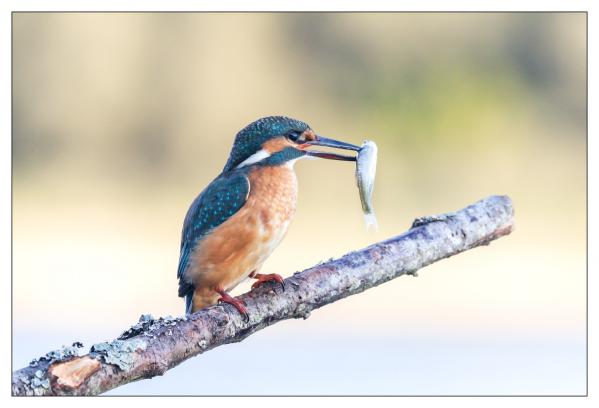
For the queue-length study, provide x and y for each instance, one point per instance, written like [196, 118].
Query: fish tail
[370, 220]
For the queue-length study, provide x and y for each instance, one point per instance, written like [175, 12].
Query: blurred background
[120, 120]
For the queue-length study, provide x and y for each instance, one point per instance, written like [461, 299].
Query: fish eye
[294, 136]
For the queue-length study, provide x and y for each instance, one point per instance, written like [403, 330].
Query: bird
[238, 220]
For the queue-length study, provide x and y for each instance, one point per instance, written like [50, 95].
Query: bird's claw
[237, 303]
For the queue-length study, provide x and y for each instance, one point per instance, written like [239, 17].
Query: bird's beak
[326, 142]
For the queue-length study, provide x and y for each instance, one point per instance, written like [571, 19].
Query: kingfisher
[239, 219]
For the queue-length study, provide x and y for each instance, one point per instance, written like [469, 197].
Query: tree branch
[153, 346]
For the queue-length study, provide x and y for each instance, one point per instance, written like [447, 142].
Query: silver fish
[365, 174]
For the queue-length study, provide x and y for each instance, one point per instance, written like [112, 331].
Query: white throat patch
[291, 163]
[254, 158]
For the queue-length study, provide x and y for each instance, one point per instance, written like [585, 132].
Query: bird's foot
[226, 298]
[267, 278]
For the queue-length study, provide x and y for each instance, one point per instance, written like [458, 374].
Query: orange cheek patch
[277, 144]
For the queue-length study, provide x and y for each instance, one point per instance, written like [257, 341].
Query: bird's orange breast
[241, 244]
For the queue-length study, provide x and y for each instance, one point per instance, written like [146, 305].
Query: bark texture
[153, 346]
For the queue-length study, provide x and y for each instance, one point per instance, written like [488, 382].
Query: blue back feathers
[219, 201]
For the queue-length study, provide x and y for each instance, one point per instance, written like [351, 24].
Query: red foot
[226, 298]
[267, 278]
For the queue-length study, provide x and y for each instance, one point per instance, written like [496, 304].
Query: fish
[365, 174]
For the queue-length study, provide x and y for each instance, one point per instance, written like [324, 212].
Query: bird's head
[278, 139]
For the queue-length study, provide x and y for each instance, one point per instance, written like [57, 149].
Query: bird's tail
[188, 303]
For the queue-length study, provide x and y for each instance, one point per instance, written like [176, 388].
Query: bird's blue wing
[217, 203]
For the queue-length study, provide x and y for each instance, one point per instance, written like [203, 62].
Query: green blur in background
[120, 120]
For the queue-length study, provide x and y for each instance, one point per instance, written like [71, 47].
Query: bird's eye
[294, 136]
